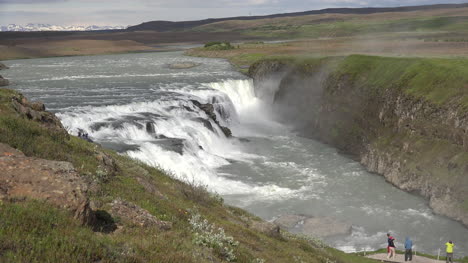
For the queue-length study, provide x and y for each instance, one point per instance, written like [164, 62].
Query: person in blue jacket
[408, 249]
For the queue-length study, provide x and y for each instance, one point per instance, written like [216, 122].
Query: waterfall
[174, 134]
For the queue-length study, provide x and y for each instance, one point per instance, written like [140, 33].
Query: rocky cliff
[406, 119]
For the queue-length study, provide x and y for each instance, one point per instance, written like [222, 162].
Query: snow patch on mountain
[48, 27]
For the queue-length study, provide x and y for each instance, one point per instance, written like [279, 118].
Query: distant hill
[164, 26]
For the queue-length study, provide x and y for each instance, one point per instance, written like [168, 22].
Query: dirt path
[401, 258]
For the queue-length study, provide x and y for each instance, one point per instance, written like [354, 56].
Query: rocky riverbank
[3, 81]
[405, 119]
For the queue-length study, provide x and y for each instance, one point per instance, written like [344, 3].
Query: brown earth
[18, 45]
[54, 182]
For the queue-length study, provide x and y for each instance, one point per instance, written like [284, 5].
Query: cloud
[29, 1]
[125, 12]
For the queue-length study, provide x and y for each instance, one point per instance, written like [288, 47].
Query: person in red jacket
[391, 247]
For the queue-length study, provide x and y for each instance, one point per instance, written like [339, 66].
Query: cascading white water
[181, 144]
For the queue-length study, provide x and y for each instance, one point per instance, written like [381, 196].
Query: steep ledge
[405, 119]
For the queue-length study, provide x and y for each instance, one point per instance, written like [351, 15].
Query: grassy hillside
[34, 231]
[339, 25]
[440, 81]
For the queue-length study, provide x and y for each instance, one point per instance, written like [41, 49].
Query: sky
[132, 12]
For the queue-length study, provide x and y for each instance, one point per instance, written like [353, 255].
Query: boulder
[3, 66]
[184, 65]
[107, 162]
[4, 82]
[150, 128]
[171, 144]
[267, 228]
[55, 182]
[209, 109]
[136, 215]
[313, 226]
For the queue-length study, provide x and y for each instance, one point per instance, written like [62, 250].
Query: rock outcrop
[4, 82]
[267, 228]
[136, 215]
[209, 109]
[3, 66]
[54, 182]
[36, 111]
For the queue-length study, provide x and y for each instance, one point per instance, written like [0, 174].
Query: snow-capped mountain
[48, 27]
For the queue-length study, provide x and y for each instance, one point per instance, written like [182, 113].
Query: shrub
[216, 45]
[207, 235]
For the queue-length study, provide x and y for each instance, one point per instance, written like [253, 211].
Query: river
[136, 104]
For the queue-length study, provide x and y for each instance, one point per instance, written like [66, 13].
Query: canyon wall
[405, 119]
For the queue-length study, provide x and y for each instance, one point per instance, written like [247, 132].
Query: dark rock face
[4, 82]
[416, 145]
[205, 123]
[209, 109]
[171, 144]
[150, 128]
[54, 182]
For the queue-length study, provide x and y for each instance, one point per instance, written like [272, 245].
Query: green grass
[307, 27]
[439, 81]
[36, 232]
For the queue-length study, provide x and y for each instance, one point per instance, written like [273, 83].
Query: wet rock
[3, 66]
[4, 82]
[150, 128]
[205, 123]
[209, 109]
[171, 144]
[136, 215]
[227, 132]
[184, 65]
[243, 139]
[313, 226]
[54, 182]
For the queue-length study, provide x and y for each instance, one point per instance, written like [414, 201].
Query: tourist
[408, 249]
[391, 247]
[449, 250]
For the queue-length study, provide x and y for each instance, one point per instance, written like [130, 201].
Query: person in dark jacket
[408, 249]
[391, 247]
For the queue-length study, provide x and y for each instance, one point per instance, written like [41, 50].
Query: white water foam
[204, 150]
